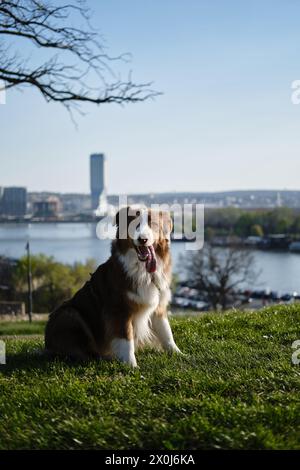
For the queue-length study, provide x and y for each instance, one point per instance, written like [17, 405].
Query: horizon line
[166, 192]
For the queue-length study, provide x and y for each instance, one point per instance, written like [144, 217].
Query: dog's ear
[167, 225]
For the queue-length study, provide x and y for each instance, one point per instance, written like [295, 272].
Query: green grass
[22, 327]
[236, 388]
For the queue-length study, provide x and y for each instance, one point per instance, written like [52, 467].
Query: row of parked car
[187, 297]
[190, 298]
[272, 295]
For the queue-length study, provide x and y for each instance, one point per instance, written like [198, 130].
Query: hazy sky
[225, 120]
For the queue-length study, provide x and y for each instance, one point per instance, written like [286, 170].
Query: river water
[72, 242]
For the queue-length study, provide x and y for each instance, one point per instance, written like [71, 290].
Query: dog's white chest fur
[146, 294]
[149, 291]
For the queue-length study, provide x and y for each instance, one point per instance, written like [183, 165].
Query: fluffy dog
[124, 304]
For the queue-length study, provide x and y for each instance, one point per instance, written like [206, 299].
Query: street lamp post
[29, 281]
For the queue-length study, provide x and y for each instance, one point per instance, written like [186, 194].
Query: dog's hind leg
[67, 335]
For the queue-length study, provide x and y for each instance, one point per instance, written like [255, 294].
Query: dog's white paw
[172, 348]
[132, 362]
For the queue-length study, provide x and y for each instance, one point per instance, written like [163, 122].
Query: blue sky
[225, 120]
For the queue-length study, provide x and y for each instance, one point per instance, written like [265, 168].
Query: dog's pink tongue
[151, 260]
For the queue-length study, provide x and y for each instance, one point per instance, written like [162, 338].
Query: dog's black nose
[142, 241]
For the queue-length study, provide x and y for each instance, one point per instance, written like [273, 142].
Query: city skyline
[225, 121]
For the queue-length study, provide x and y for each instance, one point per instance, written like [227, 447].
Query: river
[72, 242]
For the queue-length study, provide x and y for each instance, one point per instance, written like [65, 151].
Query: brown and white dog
[124, 304]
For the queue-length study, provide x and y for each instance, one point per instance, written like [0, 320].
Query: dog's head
[145, 230]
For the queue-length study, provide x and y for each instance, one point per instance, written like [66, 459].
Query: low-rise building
[48, 208]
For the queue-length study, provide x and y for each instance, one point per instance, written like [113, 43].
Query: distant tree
[72, 66]
[209, 234]
[6, 282]
[53, 282]
[217, 273]
[257, 230]
[278, 221]
[222, 219]
[296, 226]
[244, 224]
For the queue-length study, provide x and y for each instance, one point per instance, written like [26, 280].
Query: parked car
[258, 294]
[274, 295]
[286, 297]
[181, 302]
[295, 246]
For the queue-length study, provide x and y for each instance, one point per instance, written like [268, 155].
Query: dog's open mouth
[147, 255]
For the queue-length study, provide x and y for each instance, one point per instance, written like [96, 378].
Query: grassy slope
[22, 327]
[236, 388]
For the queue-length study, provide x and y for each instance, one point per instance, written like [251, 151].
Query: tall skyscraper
[13, 201]
[97, 179]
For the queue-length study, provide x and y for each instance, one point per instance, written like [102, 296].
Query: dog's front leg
[162, 329]
[123, 347]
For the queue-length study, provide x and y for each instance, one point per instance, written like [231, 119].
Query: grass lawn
[22, 327]
[235, 388]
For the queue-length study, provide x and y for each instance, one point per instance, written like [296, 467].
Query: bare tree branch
[74, 68]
